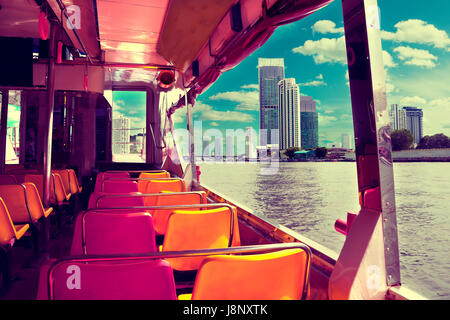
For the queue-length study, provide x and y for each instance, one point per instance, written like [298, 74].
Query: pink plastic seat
[116, 232]
[100, 279]
[101, 200]
[119, 186]
[108, 175]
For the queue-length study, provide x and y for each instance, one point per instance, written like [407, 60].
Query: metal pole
[3, 130]
[49, 120]
[371, 120]
[190, 128]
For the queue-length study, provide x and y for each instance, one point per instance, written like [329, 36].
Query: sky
[416, 48]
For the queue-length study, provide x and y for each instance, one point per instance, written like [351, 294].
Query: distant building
[309, 123]
[207, 146]
[218, 147]
[121, 135]
[271, 71]
[393, 114]
[289, 114]
[411, 119]
[250, 143]
[346, 141]
[334, 145]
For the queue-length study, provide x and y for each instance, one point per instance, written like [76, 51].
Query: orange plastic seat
[166, 185]
[204, 229]
[23, 202]
[64, 173]
[161, 217]
[142, 184]
[280, 275]
[8, 231]
[73, 180]
[57, 192]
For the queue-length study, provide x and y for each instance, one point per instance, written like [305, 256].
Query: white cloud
[206, 112]
[250, 86]
[415, 101]
[419, 32]
[246, 100]
[325, 50]
[388, 60]
[320, 76]
[314, 83]
[326, 120]
[417, 57]
[326, 26]
[333, 50]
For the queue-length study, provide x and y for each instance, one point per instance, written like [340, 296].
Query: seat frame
[174, 207]
[186, 253]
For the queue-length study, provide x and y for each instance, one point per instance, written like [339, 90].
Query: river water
[308, 197]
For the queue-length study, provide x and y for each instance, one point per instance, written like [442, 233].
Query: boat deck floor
[26, 264]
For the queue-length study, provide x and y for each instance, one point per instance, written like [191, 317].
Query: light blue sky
[416, 44]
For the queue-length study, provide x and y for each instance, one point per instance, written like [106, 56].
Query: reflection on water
[308, 197]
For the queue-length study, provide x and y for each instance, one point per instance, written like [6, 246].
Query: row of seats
[22, 210]
[125, 220]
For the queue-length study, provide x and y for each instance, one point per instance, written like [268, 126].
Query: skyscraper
[393, 113]
[121, 135]
[289, 114]
[410, 118]
[309, 123]
[271, 71]
[250, 143]
[346, 140]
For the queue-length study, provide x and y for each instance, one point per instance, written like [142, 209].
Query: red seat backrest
[107, 280]
[119, 186]
[101, 200]
[113, 232]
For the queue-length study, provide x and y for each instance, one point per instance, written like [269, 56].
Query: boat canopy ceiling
[197, 38]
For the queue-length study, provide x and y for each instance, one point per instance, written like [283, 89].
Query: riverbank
[414, 155]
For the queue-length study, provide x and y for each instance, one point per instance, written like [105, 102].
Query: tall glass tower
[289, 114]
[271, 71]
[309, 123]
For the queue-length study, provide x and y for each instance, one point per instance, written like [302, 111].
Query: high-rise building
[309, 123]
[346, 140]
[271, 71]
[289, 114]
[393, 114]
[410, 118]
[250, 143]
[121, 135]
[207, 146]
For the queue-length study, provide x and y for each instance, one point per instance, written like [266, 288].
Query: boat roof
[198, 39]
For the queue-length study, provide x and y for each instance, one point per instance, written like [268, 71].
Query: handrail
[137, 179]
[169, 207]
[185, 253]
[126, 195]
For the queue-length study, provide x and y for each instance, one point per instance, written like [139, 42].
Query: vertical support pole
[190, 128]
[49, 119]
[3, 130]
[371, 121]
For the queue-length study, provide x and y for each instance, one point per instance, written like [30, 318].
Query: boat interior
[77, 225]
